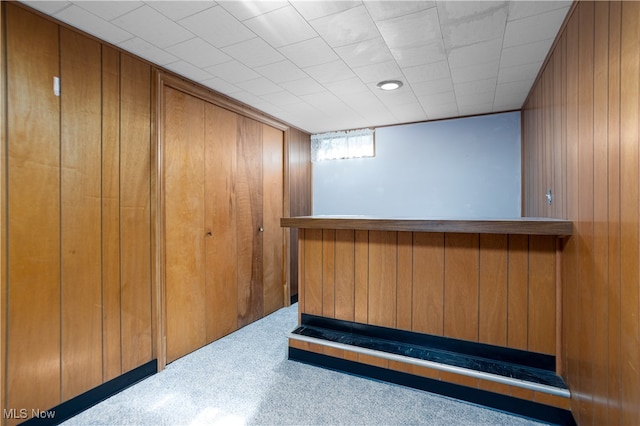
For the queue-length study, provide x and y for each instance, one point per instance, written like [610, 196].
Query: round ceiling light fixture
[390, 84]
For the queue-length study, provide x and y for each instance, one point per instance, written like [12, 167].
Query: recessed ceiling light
[390, 84]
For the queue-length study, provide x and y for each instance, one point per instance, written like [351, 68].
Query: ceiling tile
[461, 10]
[152, 26]
[280, 72]
[472, 28]
[478, 86]
[177, 10]
[484, 98]
[247, 98]
[432, 87]
[259, 86]
[248, 9]
[347, 87]
[303, 86]
[381, 10]
[254, 52]
[523, 9]
[282, 98]
[411, 30]
[348, 27]
[525, 54]
[475, 109]
[281, 27]
[435, 71]
[314, 9]
[365, 53]
[525, 72]
[475, 72]
[402, 96]
[199, 53]
[188, 70]
[437, 98]
[478, 53]
[48, 7]
[147, 51]
[92, 24]
[309, 53]
[109, 10]
[233, 72]
[332, 71]
[218, 27]
[442, 110]
[221, 85]
[378, 72]
[534, 28]
[419, 55]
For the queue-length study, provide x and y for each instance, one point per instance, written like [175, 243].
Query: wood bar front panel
[475, 287]
[593, 171]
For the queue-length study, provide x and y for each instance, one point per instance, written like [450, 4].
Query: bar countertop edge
[520, 225]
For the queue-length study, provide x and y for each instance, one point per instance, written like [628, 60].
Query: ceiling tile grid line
[316, 63]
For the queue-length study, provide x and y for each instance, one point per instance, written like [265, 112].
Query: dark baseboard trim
[82, 402]
[508, 404]
[294, 299]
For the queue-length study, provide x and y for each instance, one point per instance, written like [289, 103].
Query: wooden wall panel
[492, 303]
[518, 292]
[461, 300]
[345, 275]
[428, 283]
[312, 270]
[361, 308]
[33, 155]
[542, 295]
[135, 221]
[382, 292]
[81, 245]
[220, 126]
[249, 220]
[112, 365]
[328, 272]
[599, 118]
[3, 210]
[273, 279]
[184, 215]
[404, 284]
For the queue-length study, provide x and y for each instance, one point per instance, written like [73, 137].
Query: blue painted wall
[465, 167]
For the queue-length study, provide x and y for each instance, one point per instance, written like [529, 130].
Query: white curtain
[339, 145]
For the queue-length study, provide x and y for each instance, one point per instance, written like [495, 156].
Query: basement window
[341, 145]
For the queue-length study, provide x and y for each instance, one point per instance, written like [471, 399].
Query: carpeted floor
[245, 379]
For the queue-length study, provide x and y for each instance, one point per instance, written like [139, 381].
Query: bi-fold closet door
[223, 198]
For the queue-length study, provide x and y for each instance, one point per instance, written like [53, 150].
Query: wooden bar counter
[493, 282]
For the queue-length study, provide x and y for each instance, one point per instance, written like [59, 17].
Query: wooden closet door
[33, 138]
[273, 235]
[184, 151]
[249, 221]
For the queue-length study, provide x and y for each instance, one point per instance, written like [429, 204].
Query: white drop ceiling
[315, 64]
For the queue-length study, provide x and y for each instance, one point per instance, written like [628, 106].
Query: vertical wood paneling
[220, 128]
[328, 272]
[629, 215]
[613, 217]
[493, 290]
[81, 152]
[599, 115]
[600, 205]
[273, 234]
[404, 284]
[461, 300]
[345, 275]
[302, 283]
[542, 295]
[3, 211]
[249, 220]
[33, 347]
[185, 270]
[428, 283]
[383, 255]
[111, 212]
[135, 223]
[518, 292]
[313, 271]
[361, 276]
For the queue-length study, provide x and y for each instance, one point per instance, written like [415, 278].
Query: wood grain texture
[461, 286]
[492, 304]
[135, 223]
[518, 292]
[312, 269]
[428, 283]
[80, 157]
[542, 295]
[361, 308]
[249, 204]
[112, 366]
[345, 275]
[3, 211]
[273, 246]
[525, 226]
[220, 129]
[404, 283]
[328, 273]
[382, 292]
[33, 155]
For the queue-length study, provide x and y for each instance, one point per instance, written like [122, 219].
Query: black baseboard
[488, 399]
[294, 299]
[80, 403]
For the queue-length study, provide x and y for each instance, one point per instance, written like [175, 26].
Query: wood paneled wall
[299, 163]
[580, 138]
[78, 213]
[490, 288]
